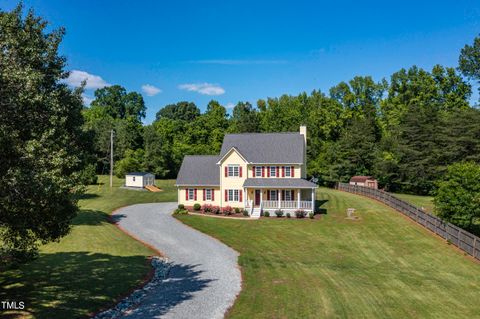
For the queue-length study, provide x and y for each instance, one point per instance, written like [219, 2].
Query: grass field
[91, 266]
[381, 266]
[420, 201]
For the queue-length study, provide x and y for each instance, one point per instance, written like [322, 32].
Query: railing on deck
[286, 204]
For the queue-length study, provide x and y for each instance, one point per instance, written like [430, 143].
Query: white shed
[139, 179]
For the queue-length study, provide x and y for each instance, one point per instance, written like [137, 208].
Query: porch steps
[153, 188]
[255, 213]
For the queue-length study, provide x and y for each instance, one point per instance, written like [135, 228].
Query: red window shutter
[292, 172]
[195, 194]
[292, 194]
[226, 171]
[240, 193]
[268, 171]
[186, 193]
[213, 194]
[253, 171]
[278, 171]
[283, 171]
[283, 195]
[268, 195]
[240, 171]
[263, 171]
[226, 195]
[204, 195]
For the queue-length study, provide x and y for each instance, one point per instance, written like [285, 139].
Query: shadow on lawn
[71, 285]
[318, 205]
[90, 217]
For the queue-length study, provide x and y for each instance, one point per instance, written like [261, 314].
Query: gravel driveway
[204, 279]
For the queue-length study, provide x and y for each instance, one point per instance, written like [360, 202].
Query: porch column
[244, 198]
[298, 198]
[279, 199]
[261, 196]
[313, 199]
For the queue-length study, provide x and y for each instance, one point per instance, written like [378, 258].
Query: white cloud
[93, 81]
[203, 88]
[239, 62]
[229, 105]
[150, 90]
[86, 99]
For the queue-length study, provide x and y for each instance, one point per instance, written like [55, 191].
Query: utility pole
[111, 158]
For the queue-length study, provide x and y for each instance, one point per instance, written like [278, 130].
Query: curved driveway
[204, 279]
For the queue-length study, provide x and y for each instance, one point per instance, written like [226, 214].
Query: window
[191, 194]
[273, 195]
[273, 171]
[234, 170]
[288, 171]
[258, 171]
[208, 194]
[288, 195]
[134, 178]
[233, 195]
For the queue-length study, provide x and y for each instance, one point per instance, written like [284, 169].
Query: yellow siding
[232, 182]
[182, 197]
[297, 174]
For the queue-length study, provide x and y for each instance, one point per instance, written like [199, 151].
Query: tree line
[405, 130]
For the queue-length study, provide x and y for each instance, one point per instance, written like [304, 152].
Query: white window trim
[191, 198]
[258, 171]
[208, 194]
[273, 191]
[288, 195]
[289, 171]
[233, 170]
[233, 195]
[274, 168]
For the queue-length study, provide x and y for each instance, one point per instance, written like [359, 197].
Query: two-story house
[254, 171]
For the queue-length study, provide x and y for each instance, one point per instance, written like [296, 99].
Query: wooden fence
[464, 240]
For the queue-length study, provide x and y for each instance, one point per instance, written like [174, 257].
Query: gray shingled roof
[199, 170]
[138, 173]
[279, 183]
[267, 148]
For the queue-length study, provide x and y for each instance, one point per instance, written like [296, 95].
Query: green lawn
[91, 266]
[381, 266]
[419, 201]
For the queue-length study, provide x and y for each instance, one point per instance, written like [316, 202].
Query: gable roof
[233, 149]
[361, 179]
[199, 170]
[266, 148]
[138, 174]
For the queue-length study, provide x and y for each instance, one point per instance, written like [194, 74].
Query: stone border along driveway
[204, 278]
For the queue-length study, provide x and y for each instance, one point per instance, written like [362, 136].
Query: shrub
[181, 206]
[266, 214]
[196, 206]
[207, 208]
[245, 212]
[288, 215]
[215, 210]
[180, 211]
[279, 213]
[311, 215]
[300, 213]
[237, 210]
[227, 210]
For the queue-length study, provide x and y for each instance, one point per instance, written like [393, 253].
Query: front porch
[268, 199]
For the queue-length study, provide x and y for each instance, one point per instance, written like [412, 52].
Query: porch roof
[278, 183]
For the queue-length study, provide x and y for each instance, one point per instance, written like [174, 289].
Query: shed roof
[199, 170]
[278, 183]
[138, 173]
[266, 148]
[361, 179]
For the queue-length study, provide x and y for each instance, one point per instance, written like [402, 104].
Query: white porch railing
[290, 204]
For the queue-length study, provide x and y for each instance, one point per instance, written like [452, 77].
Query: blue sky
[245, 50]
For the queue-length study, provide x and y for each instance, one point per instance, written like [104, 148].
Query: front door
[257, 197]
